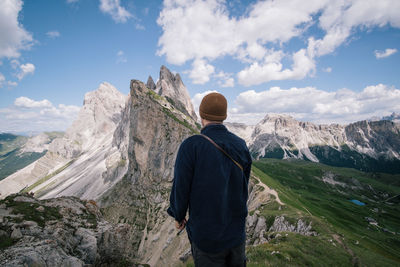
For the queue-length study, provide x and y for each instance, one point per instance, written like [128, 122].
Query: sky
[323, 61]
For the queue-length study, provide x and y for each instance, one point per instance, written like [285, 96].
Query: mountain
[172, 88]
[16, 152]
[395, 117]
[364, 145]
[74, 164]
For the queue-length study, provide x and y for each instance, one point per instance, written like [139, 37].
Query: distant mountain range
[17, 151]
[364, 145]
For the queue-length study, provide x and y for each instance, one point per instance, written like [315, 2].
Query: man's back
[213, 188]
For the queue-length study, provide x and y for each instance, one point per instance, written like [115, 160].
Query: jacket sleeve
[183, 175]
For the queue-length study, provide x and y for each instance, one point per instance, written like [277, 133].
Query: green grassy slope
[345, 237]
[10, 142]
[14, 161]
[11, 158]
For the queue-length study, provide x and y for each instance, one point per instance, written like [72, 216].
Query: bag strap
[223, 151]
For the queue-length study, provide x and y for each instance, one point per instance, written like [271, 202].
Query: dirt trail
[268, 190]
[354, 258]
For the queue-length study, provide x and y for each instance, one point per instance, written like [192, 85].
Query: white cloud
[201, 71]
[26, 69]
[113, 7]
[2, 80]
[303, 65]
[25, 102]
[121, 58]
[11, 84]
[28, 115]
[14, 37]
[225, 79]
[196, 30]
[328, 69]
[53, 34]
[311, 104]
[387, 53]
[140, 27]
[14, 63]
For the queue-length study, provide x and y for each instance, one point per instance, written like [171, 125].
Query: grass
[296, 250]
[5, 241]
[155, 95]
[168, 112]
[14, 161]
[299, 185]
[47, 177]
[10, 142]
[184, 122]
[29, 212]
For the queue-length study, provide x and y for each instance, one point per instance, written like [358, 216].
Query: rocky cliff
[365, 145]
[75, 163]
[63, 231]
[156, 128]
[172, 88]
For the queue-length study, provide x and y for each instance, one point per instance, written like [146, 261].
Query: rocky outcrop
[364, 145]
[60, 232]
[258, 231]
[40, 142]
[84, 162]
[395, 117]
[172, 88]
[300, 227]
[155, 129]
[377, 139]
[150, 83]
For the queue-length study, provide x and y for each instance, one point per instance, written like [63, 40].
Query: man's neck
[208, 123]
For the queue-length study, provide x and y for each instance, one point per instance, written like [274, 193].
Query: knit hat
[213, 107]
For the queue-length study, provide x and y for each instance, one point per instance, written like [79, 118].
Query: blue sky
[320, 61]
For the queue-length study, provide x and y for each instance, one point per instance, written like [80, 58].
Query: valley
[348, 234]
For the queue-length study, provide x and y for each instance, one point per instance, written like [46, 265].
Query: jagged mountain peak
[150, 83]
[277, 117]
[395, 117]
[98, 117]
[172, 88]
[106, 93]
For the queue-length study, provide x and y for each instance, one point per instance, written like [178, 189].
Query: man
[213, 185]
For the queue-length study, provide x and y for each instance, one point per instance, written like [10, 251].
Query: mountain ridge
[281, 136]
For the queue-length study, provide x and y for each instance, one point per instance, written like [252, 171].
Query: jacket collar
[213, 127]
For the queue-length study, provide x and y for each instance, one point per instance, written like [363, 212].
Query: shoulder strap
[223, 151]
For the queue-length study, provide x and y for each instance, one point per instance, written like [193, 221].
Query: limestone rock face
[84, 162]
[365, 145]
[293, 138]
[150, 83]
[156, 128]
[66, 232]
[172, 88]
[38, 143]
[281, 225]
[376, 139]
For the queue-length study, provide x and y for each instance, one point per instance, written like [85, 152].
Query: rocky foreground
[63, 231]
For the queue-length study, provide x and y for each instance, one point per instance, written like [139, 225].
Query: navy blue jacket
[213, 188]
